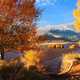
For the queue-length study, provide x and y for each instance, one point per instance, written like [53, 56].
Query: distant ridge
[65, 31]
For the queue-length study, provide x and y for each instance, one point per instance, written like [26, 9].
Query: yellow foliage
[3, 63]
[72, 46]
[32, 58]
[76, 14]
[72, 56]
[67, 61]
[77, 25]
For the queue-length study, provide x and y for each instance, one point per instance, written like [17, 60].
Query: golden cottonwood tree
[17, 24]
[77, 17]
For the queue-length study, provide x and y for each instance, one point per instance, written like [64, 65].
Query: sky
[56, 11]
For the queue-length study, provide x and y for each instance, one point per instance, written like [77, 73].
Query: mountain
[65, 31]
[45, 29]
[68, 34]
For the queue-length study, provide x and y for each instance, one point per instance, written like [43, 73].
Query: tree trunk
[2, 52]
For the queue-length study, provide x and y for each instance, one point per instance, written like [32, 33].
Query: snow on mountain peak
[46, 29]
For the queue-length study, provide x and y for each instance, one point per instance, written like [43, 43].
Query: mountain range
[65, 31]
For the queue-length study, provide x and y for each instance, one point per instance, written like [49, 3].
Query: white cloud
[45, 2]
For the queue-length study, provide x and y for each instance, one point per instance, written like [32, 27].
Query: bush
[13, 72]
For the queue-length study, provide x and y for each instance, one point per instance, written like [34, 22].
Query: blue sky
[56, 11]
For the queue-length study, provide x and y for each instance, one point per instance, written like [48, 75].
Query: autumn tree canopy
[17, 23]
